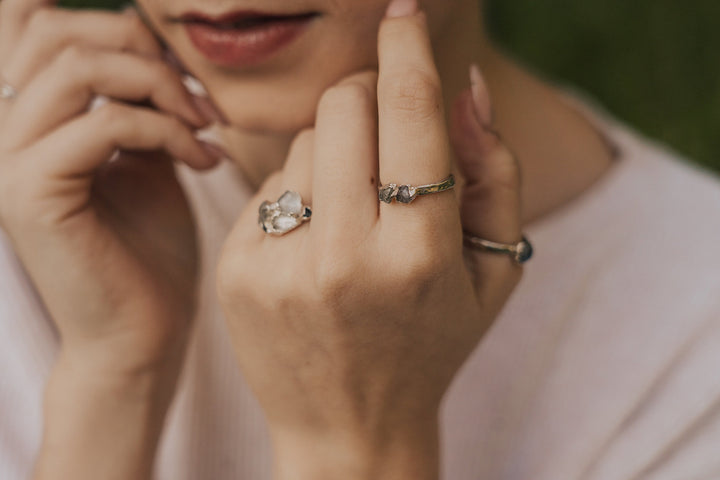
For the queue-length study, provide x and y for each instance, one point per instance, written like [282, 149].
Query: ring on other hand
[407, 193]
[520, 252]
[288, 213]
[7, 91]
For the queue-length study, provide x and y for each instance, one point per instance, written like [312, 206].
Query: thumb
[490, 200]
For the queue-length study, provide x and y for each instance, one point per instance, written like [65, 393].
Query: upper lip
[238, 16]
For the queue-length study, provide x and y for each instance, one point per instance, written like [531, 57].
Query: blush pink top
[604, 365]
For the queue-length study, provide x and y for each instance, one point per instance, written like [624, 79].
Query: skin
[560, 153]
[125, 299]
[368, 376]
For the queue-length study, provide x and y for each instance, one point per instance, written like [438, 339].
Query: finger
[413, 143]
[49, 31]
[490, 201]
[295, 178]
[14, 14]
[297, 174]
[247, 230]
[345, 169]
[77, 148]
[65, 89]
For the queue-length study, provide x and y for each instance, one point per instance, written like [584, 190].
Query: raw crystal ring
[519, 252]
[407, 193]
[288, 213]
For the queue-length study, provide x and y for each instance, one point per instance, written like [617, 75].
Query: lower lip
[245, 47]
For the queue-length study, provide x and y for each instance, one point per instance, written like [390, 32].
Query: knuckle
[166, 75]
[111, 116]
[285, 283]
[419, 268]
[344, 98]
[74, 67]
[417, 93]
[75, 59]
[304, 141]
[505, 172]
[41, 22]
[174, 127]
[134, 29]
[429, 260]
[335, 276]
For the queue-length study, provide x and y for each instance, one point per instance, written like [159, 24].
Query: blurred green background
[653, 63]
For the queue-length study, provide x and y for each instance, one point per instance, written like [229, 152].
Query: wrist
[97, 417]
[81, 376]
[399, 453]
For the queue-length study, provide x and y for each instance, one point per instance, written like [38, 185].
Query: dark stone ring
[520, 252]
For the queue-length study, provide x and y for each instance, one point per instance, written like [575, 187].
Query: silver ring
[288, 213]
[520, 252]
[7, 91]
[407, 193]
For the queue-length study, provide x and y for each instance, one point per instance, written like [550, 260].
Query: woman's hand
[351, 328]
[110, 247]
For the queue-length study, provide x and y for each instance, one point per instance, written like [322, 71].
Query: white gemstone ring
[407, 193]
[288, 213]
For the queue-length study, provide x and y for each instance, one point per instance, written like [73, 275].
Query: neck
[560, 153]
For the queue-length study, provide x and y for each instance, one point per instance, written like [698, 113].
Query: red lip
[243, 38]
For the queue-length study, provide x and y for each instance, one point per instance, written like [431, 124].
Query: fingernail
[401, 8]
[481, 96]
[194, 85]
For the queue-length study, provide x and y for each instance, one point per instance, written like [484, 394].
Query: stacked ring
[288, 213]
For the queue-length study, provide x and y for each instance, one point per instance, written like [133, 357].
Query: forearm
[100, 425]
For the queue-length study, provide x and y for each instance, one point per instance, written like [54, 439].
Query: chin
[283, 101]
[268, 110]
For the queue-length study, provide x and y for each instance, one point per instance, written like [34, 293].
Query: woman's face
[267, 75]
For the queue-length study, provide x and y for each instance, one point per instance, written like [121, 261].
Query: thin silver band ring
[520, 252]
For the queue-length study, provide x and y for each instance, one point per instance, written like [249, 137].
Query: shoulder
[648, 230]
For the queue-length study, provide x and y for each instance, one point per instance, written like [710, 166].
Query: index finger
[414, 148]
